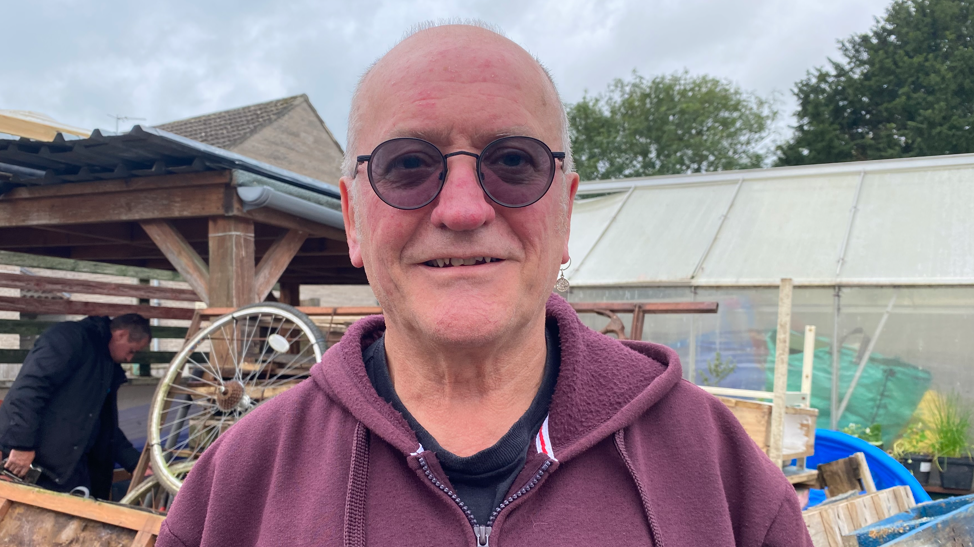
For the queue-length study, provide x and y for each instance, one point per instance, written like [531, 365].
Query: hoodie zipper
[482, 533]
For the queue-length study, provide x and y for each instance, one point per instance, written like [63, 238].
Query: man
[61, 413]
[478, 410]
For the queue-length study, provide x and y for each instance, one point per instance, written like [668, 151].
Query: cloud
[81, 61]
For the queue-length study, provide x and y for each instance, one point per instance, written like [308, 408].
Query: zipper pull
[483, 535]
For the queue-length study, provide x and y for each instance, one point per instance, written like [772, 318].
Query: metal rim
[235, 400]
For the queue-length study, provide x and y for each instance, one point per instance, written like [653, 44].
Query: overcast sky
[80, 60]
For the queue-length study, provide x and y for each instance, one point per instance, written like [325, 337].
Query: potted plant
[913, 451]
[872, 434]
[950, 424]
[717, 370]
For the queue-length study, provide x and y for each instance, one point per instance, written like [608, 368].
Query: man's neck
[467, 398]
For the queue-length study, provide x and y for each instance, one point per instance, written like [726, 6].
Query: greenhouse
[881, 254]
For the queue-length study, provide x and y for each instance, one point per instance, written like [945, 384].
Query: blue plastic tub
[887, 472]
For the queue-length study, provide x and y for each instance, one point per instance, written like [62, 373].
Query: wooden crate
[755, 416]
[828, 523]
[33, 517]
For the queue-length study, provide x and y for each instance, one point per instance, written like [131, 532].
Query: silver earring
[562, 284]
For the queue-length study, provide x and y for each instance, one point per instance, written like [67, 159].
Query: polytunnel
[881, 254]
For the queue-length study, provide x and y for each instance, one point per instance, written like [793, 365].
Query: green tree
[904, 89]
[668, 125]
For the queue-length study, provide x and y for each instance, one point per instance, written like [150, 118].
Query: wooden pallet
[34, 517]
[827, 523]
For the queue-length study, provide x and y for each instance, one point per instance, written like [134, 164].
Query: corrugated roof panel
[782, 228]
[658, 235]
[914, 225]
[590, 218]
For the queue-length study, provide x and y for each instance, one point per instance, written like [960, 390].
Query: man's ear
[348, 216]
[572, 189]
[120, 336]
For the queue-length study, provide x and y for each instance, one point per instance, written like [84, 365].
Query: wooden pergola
[158, 202]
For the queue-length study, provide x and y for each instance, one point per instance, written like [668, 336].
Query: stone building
[286, 133]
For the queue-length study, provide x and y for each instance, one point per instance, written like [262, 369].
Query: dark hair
[138, 326]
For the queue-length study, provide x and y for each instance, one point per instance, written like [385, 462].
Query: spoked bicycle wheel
[152, 495]
[239, 361]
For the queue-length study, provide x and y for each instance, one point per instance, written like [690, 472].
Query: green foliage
[668, 125]
[915, 440]
[904, 89]
[872, 434]
[717, 370]
[950, 423]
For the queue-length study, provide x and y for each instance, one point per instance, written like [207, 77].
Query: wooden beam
[18, 356]
[75, 307]
[276, 260]
[181, 255]
[103, 253]
[232, 269]
[114, 514]
[782, 349]
[161, 203]
[137, 184]
[344, 311]
[30, 327]
[57, 284]
[647, 307]
[25, 260]
[266, 215]
[37, 237]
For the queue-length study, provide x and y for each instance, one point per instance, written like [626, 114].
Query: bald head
[439, 65]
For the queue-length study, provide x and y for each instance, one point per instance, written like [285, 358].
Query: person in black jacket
[61, 412]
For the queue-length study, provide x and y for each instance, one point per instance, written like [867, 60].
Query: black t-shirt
[482, 480]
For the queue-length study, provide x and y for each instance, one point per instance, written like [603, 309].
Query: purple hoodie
[631, 455]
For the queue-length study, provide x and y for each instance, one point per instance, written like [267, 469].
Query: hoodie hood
[603, 384]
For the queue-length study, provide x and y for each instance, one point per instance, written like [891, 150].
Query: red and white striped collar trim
[543, 441]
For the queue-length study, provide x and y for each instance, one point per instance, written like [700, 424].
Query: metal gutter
[255, 197]
[22, 172]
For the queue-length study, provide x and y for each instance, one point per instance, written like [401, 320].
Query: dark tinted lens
[405, 173]
[516, 171]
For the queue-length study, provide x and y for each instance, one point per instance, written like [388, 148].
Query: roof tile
[231, 127]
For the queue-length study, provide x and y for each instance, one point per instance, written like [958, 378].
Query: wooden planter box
[828, 523]
[33, 517]
[755, 416]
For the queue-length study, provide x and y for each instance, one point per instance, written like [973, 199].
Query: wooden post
[291, 294]
[808, 363]
[231, 282]
[780, 372]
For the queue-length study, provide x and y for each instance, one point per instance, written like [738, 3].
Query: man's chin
[465, 322]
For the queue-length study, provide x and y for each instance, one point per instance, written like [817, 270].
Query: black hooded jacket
[66, 388]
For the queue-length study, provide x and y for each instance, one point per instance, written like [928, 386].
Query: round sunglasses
[408, 173]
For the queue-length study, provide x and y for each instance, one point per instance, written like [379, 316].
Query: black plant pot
[919, 466]
[956, 473]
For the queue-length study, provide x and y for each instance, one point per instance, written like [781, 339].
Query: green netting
[888, 391]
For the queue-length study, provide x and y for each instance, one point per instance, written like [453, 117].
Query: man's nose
[462, 205]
